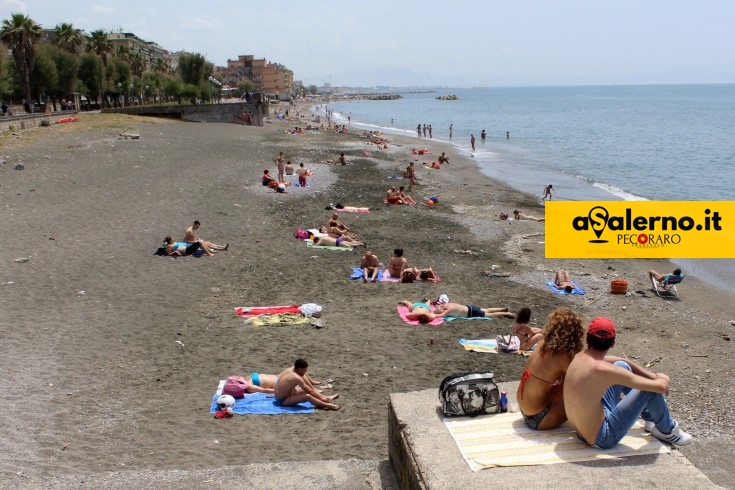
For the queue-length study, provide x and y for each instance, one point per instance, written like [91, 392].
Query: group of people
[334, 233]
[570, 376]
[191, 243]
[425, 311]
[397, 268]
[399, 196]
[285, 173]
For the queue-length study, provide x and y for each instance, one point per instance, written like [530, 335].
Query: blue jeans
[620, 415]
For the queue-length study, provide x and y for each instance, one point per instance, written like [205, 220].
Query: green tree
[67, 68]
[313, 90]
[246, 86]
[69, 38]
[44, 77]
[137, 64]
[191, 92]
[98, 44]
[20, 33]
[91, 75]
[194, 69]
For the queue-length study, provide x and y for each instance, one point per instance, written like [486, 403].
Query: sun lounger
[667, 286]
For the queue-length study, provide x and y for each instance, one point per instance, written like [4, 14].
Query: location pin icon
[598, 220]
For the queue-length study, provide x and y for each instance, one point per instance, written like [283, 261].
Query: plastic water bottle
[503, 402]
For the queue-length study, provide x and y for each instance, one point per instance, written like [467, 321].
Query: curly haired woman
[540, 391]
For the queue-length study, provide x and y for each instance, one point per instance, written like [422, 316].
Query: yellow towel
[504, 440]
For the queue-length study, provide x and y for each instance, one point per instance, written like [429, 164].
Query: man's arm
[637, 369]
[617, 375]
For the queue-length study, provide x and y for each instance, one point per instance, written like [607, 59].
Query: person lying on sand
[180, 248]
[563, 280]
[470, 311]
[405, 197]
[397, 263]
[435, 165]
[335, 231]
[527, 334]
[292, 388]
[335, 219]
[392, 197]
[190, 237]
[369, 264]
[522, 216]
[411, 274]
[328, 241]
[419, 311]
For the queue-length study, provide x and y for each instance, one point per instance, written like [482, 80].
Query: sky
[458, 43]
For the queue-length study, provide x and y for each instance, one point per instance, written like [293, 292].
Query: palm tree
[19, 33]
[69, 38]
[137, 64]
[98, 43]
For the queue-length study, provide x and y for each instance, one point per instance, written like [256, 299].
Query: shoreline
[114, 314]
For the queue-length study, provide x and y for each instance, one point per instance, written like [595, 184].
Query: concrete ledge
[424, 456]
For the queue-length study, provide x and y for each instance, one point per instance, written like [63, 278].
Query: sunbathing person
[190, 237]
[335, 218]
[540, 392]
[292, 388]
[420, 311]
[522, 216]
[369, 265]
[266, 383]
[652, 274]
[397, 263]
[392, 196]
[328, 241]
[405, 197]
[411, 274]
[182, 248]
[335, 231]
[563, 280]
[267, 179]
[457, 310]
[435, 165]
[527, 334]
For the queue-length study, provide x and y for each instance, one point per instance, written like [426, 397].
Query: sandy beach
[111, 355]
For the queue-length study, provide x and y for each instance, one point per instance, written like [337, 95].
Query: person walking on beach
[472, 141]
[605, 395]
[547, 192]
[450, 131]
[430, 135]
[483, 134]
[292, 388]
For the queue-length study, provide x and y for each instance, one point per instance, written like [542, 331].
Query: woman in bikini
[540, 391]
[528, 335]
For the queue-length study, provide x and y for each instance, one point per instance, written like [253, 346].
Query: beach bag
[301, 234]
[235, 386]
[508, 343]
[503, 216]
[469, 394]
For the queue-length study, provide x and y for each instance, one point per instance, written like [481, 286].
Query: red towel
[266, 310]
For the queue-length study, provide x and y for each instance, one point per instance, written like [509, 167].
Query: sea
[592, 143]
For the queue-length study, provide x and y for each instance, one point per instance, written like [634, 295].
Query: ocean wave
[617, 192]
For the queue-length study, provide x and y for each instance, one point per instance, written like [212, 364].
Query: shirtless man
[335, 219]
[281, 164]
[190, 237]
[292, 388]
[563, 280]
[547, 191]
[397, 263]
[470, 311]
[442, 159]
[266, 383]
[289, 170]
[328, 241]
[342, 159]
[410, 175]
[604, 395]
[369, 265]
[522, 216]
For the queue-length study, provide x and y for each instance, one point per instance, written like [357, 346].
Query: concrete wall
[235, 112]
[25, 121]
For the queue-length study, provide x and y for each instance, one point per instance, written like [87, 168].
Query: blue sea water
[659, 142]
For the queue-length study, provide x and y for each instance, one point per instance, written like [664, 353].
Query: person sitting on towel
[563, 280]
[190, 237]
[292, 388]
[411, 274]
[397, 263]
[267, 179]
[457, 310]
[266, 383]
[528, 335]
[369, 264]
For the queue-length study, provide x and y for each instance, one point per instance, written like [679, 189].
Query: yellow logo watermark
[640, 229]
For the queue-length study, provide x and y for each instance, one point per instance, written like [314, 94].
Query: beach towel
[480, 345]
[260, 404]
[452, 318]
[577, 289]
[397, 177]
[403, 311]
[296, 184]
[357, 274]
[162, 252]
[266, 310]
[310, 244]
[278, 320]
[352, 209]
[503, 439]
[487, 345]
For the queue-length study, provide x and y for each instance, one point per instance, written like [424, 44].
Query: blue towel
[577, 289]
[396, 177]
[296, 184]
[357, 274]
[451, 318]
[260, 404]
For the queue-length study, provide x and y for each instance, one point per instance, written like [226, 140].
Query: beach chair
[667, 286]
